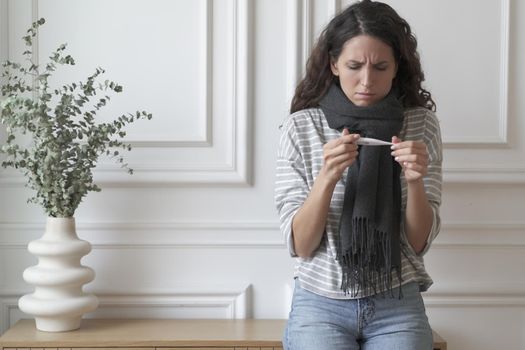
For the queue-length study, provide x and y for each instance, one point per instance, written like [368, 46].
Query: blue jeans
[371, 323]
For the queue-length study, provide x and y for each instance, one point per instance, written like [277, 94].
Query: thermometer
[367, 141]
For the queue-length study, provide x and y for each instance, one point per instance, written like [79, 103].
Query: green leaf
[57, 165]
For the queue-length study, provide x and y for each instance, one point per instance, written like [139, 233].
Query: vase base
[57, 324]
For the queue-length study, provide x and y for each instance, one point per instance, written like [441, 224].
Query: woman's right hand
[309, 222]
[338, 155]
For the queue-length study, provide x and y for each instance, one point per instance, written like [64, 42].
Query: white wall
[194, 233]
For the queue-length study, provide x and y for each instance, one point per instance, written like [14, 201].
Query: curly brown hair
[375, 19]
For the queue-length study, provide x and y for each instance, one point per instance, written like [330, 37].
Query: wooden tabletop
[150, 332]
[156, 332]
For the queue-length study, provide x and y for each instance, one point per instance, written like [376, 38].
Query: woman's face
[366, 68]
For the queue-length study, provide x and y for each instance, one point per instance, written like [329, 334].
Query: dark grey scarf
[369, 245]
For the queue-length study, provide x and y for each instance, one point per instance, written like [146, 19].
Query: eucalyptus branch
[66, 139]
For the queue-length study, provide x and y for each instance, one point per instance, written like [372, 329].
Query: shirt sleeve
[291, 188]
[433, 179]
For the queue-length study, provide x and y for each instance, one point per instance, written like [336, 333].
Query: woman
[359, 217]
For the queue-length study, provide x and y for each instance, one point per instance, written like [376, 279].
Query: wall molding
[473, 301]
[8, 304]
[231, 302]
[4, 30]
[334, 7]
[487, 174]
[474, 289]
[476, 294]
[501, 139]
[481, 235]
[253, 235]
[299, 41]
[295, 45]
[205, 91]
[164, 235]
[236, 169]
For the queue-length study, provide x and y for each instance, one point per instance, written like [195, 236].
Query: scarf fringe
[367, 265]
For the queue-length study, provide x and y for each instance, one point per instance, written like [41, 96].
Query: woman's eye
[354, 67]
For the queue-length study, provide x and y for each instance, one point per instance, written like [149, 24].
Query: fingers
[339, 154]
[412, 156]
[405, 147]
[342, 161]
[410, 151]
[396, 139]
[345, 137]
[415, 167]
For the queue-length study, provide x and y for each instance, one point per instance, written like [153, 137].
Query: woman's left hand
[412, 156]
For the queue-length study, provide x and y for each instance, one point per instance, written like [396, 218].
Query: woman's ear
[333, 67]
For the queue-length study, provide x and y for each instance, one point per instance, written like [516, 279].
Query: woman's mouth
[365, 94]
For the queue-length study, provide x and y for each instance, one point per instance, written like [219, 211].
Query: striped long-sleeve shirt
[299, 161]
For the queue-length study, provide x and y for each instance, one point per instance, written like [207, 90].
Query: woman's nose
[366, 78]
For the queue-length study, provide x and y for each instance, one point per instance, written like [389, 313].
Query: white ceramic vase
[58, 301]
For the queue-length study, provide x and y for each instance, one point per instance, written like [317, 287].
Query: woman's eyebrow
[361, 62]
